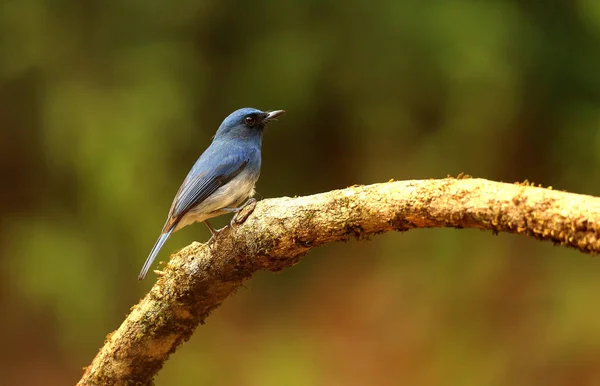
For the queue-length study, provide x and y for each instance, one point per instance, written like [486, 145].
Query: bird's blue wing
[212, 171]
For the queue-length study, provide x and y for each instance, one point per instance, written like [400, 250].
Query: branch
[281, 231]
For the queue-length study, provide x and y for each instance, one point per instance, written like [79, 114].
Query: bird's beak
[273, 114]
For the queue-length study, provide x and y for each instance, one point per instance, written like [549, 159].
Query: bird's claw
[219, 230]
[243, 212]
[213, 232]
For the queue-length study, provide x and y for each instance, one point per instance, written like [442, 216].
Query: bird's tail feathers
[159, 243]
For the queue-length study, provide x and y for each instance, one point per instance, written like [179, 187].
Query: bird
[221, 179]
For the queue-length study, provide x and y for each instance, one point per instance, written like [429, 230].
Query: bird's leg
[212, 230]
[250, 203]
[240, 216]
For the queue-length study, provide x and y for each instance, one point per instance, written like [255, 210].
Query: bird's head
[246, 123]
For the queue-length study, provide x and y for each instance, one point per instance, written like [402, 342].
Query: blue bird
[222, 178]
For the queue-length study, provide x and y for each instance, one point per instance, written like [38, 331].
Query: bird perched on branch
[222, 178]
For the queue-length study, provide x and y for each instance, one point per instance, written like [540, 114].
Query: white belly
[229, 195]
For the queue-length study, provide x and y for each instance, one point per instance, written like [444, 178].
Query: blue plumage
[222, 178]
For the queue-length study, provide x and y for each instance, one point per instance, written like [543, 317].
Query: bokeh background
[105, 105]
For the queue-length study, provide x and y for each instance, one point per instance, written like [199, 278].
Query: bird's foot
[214, 232]
[243, 212]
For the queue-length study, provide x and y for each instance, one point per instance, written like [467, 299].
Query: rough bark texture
[281, 231]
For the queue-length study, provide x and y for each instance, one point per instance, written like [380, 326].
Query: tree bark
[281, 231]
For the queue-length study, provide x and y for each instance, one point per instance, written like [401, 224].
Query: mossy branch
[281, 231]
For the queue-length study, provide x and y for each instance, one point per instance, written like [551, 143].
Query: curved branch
[282, 230]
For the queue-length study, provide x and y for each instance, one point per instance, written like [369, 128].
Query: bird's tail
[159, 243]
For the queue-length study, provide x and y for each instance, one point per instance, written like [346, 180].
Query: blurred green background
[105, 105]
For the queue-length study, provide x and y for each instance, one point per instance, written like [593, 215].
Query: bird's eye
[249, 120]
